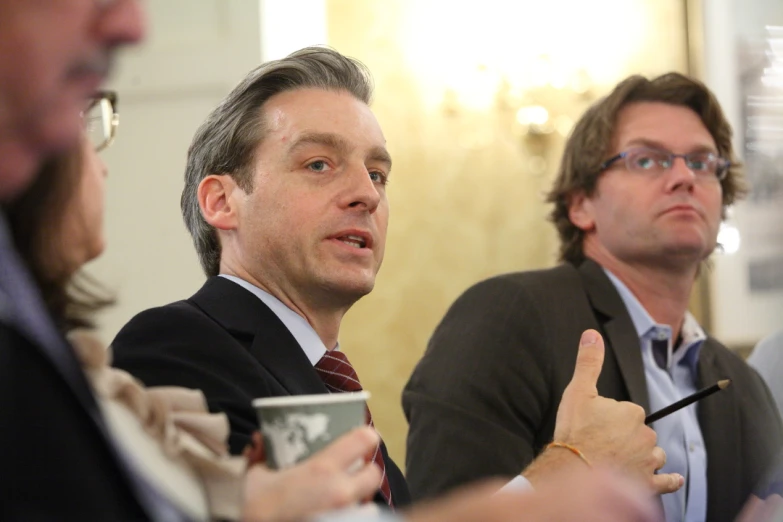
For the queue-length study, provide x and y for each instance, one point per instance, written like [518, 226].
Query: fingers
[751, 511]
[773, 507]
[366, 481]
[349, 448]
[667, 482]
[254, 452]
[664, 482]
[660, 457]
[589, 361]
[758, 510]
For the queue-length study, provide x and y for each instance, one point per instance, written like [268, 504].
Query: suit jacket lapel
[621, 336]
[247, 317]
[277, 350]
[718, 419]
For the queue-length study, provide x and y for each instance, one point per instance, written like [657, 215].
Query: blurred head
[53, 56]
[285, 180]
[643, 206]
[57, 226]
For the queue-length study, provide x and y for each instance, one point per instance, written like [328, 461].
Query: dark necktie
[660, 349]
[339, 376]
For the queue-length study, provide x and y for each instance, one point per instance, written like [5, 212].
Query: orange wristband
[570, 448]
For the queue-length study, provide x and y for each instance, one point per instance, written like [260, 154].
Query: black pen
[704, 392]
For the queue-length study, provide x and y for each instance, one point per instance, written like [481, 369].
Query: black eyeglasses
[101, 119]
[705, 165]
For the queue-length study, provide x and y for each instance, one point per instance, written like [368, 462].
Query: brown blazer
[482, 401]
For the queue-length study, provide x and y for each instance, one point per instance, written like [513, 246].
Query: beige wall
[466, 199]
[195, 54]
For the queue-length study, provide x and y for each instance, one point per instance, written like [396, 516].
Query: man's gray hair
[227, 141]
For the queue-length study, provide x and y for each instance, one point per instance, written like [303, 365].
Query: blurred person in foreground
[53, 56]
[59, 462]
[285, 198]
[644, 182]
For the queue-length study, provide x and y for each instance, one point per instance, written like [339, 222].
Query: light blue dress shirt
[303, 332]
[679, 434]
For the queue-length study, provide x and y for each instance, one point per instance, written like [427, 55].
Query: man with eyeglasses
[645, 180]
[58, 460]
[53, 56]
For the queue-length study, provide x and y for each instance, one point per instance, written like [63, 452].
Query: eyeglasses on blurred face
[101, 119]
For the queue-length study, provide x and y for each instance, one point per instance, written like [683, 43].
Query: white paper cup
[294, 427]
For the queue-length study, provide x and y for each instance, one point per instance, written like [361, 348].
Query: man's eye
[700, 164]
[318, 166]
[378, 177]
[644, 162]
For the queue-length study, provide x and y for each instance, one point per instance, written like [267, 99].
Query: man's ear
[218, 202]
[580, 211]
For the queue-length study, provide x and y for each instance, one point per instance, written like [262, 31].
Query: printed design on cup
[293, 435]
[294, 427]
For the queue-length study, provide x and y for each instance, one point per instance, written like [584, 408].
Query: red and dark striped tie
[339, 376]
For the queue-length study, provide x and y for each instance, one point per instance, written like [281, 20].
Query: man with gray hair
[285, 197]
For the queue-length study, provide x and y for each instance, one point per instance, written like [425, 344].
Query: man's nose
[680, 175]
[122, 22]
[362, 191]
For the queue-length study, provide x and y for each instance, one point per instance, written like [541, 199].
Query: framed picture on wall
[738, 52]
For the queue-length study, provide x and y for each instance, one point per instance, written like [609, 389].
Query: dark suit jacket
[55, 459]
[226, 342]
[483, 400]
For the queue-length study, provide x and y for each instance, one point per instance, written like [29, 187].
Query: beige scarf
[170, 434]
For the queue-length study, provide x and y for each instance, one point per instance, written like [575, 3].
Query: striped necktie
[339, 376]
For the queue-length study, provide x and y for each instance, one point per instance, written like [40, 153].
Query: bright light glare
[729, 239]
[279, 16]
[532, 115]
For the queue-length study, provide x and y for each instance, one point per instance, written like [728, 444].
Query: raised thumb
[589, 361]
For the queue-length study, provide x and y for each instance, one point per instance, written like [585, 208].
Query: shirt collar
[302, 331]
[693, 335]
